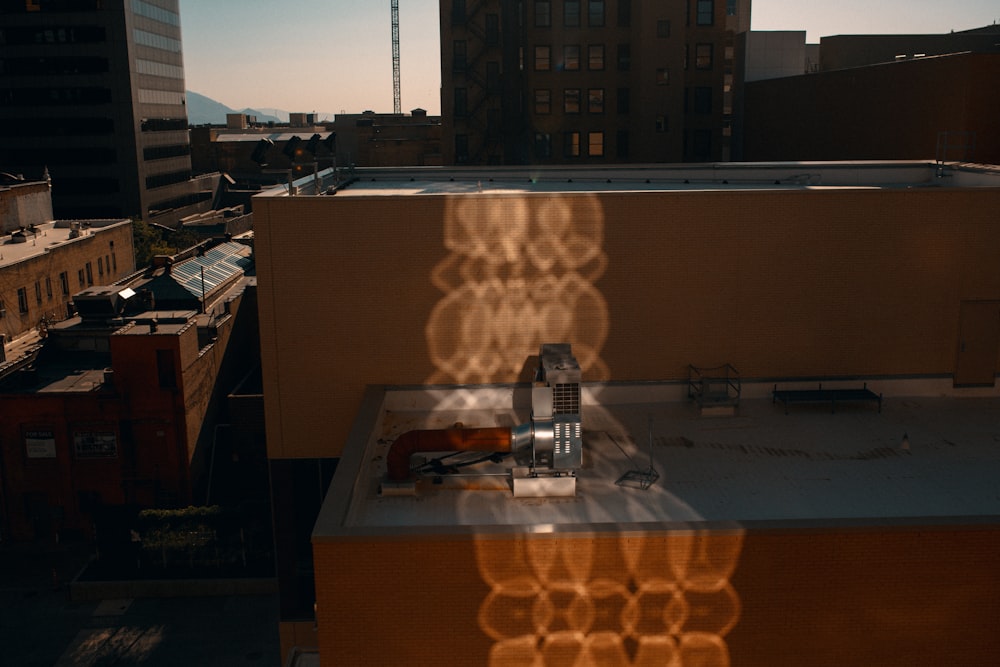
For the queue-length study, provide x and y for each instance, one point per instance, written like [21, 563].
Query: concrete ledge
[80, 591]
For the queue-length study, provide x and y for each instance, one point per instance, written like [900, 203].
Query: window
[622, 144]
[571, 57]
[3, 311]
[595, 144]
[624, 98]
[662, 76]
[458, 11]
[595, 13]
[22, 300]
[706, 11]
[461, 103]
[100, 266]
[461, 148]
[543, 13]
[79, 274]
[493, 78]
[38, 292]
[595, 57]
[624, 57]
[703, 56]
[624, 13]
[492, 30]
[64, 283]
[107, 263]
[730, 7]
[459, 58]
[571, 13]
[571, 144]
[543, 101]
[48, 287]
[90, 274]
[595, 100]
[543, 145]
[703, 100]
[662, 124]
[543, 58]
[663, 28]
[571, 100]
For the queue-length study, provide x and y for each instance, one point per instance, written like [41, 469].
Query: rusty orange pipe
[397, 461]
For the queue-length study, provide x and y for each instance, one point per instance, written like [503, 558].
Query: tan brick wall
[833, 596]
[795, 283]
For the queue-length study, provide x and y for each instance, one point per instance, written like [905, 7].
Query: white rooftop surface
[760, 465]
[50, 234]
[411, 181]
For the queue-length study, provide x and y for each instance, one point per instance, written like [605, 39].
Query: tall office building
[589, 81]
[93, 92]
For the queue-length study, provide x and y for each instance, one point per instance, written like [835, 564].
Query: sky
[335, 56]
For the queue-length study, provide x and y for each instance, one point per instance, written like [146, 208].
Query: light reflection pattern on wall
[520, 272]
[660, 599]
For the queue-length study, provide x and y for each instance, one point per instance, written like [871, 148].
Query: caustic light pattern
[628, 601]
[521, 273]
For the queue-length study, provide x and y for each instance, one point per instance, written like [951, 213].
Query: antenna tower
[396, 105]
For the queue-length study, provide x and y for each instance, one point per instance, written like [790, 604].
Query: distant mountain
[204, 110]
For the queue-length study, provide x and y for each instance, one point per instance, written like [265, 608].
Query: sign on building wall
[95, 445]
[40, 444]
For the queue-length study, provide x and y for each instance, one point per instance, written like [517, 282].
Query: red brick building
[117, 406]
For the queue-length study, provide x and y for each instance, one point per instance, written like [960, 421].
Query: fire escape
[477, 71]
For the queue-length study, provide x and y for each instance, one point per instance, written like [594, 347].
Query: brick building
[935, 106]
[44, 262]
[539, 82]
[118, 406]
[852, 271]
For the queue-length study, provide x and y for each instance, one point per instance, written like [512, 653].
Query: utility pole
[396, 105]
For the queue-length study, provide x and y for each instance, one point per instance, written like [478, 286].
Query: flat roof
[931, 454]
[48, 236]
[770, 176]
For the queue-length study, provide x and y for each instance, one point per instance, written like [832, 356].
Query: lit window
[571, 57]
[571, 100]
[595, 144]
[703, 56]
[543, 58]
[571, 146]
[595, 100]
[595, 57]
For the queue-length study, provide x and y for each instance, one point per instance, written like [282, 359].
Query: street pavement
[41, 627]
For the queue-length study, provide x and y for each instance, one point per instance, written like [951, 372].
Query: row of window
[106, 264]
[150, 96]
[155, 41]
[163, 180]
[156, 13]
[84, 34]
[53, 66]
[703, 57]
[162, 152]
[55, 96]
[77, 126]
[704, 11]
[159, 69]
